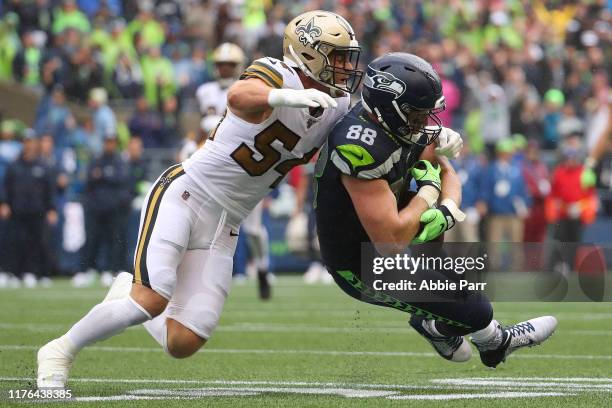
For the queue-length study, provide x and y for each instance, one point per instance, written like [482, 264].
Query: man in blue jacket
[505, 196]
[28, 204]
[106, 203]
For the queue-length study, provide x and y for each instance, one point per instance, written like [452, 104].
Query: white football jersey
[212, 98]
[243, 161]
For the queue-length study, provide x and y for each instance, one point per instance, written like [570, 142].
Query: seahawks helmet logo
[385, 81]
[307, 32]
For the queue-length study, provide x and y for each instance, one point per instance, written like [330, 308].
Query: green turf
[313, 335]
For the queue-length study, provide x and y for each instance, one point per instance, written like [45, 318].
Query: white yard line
[251, 388]
[495, 395]
[518, 383]
[567, 379]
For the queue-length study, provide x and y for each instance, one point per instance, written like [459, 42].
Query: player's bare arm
[252, 99]
[376, 207]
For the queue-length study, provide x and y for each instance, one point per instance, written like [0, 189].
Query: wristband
[275, 98]
[430, 194]
[457, 214]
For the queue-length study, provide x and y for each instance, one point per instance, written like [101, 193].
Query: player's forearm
[249, 96]
[402, 229]
[410, 217]
[451, 184]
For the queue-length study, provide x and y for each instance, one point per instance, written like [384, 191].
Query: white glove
[449, 143]
[300, 98]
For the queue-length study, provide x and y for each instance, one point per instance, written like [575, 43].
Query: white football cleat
[454, 348]
[524, 334]
[121, 287]
[53, 365]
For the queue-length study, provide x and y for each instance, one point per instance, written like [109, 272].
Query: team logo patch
[307, 32]
[185, 195]
[385, 81]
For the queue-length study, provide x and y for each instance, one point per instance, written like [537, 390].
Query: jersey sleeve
[362, 151]
[273, 72]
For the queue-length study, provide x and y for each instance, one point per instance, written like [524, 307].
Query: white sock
[490, 337]
[158, 329]
[105, 320]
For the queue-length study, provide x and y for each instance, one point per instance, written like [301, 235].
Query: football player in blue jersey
[389, 138]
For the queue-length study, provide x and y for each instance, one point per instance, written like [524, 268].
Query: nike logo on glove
[233, 234]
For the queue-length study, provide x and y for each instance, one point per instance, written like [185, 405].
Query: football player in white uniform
[228, 60]
[212, 98]
[278, 116]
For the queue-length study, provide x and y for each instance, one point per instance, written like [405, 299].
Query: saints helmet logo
[307, 32]
[385, 81]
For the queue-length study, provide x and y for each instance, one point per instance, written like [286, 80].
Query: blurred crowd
[526, 83]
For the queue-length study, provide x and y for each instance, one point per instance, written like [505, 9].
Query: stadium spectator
[93, 7]
[158, 76]
[27, 62]
[106, 202]
[104, 121]
[494, 109]
[470, 169]
[127, 81]
[171, 126]
[69, 16]
[28, 203]
[33, 15]
[553, 102]
[84, 73]
[191, 71]
[570, 205]
[138, 167]
[569, 123]
[113, 44]
[9, 44]
[537, 179]
[145, 30]
[146, 124]
[54, 117]
[10, 149]
[452, 96]
[58, 174]
[506, 200]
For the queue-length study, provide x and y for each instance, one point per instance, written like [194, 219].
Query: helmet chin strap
[376, 112]
[297, 61]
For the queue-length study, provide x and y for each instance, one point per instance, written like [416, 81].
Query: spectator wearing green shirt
[69, 16]
[149, 30]
[158, 77]
[27, 62]
[9, 44]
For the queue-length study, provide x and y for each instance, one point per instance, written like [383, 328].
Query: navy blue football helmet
[404, 93]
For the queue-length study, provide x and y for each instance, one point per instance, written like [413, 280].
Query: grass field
[309, 346]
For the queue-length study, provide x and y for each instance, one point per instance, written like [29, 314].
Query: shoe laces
[520, 329]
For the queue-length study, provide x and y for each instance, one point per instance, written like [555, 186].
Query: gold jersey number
[244, 155]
